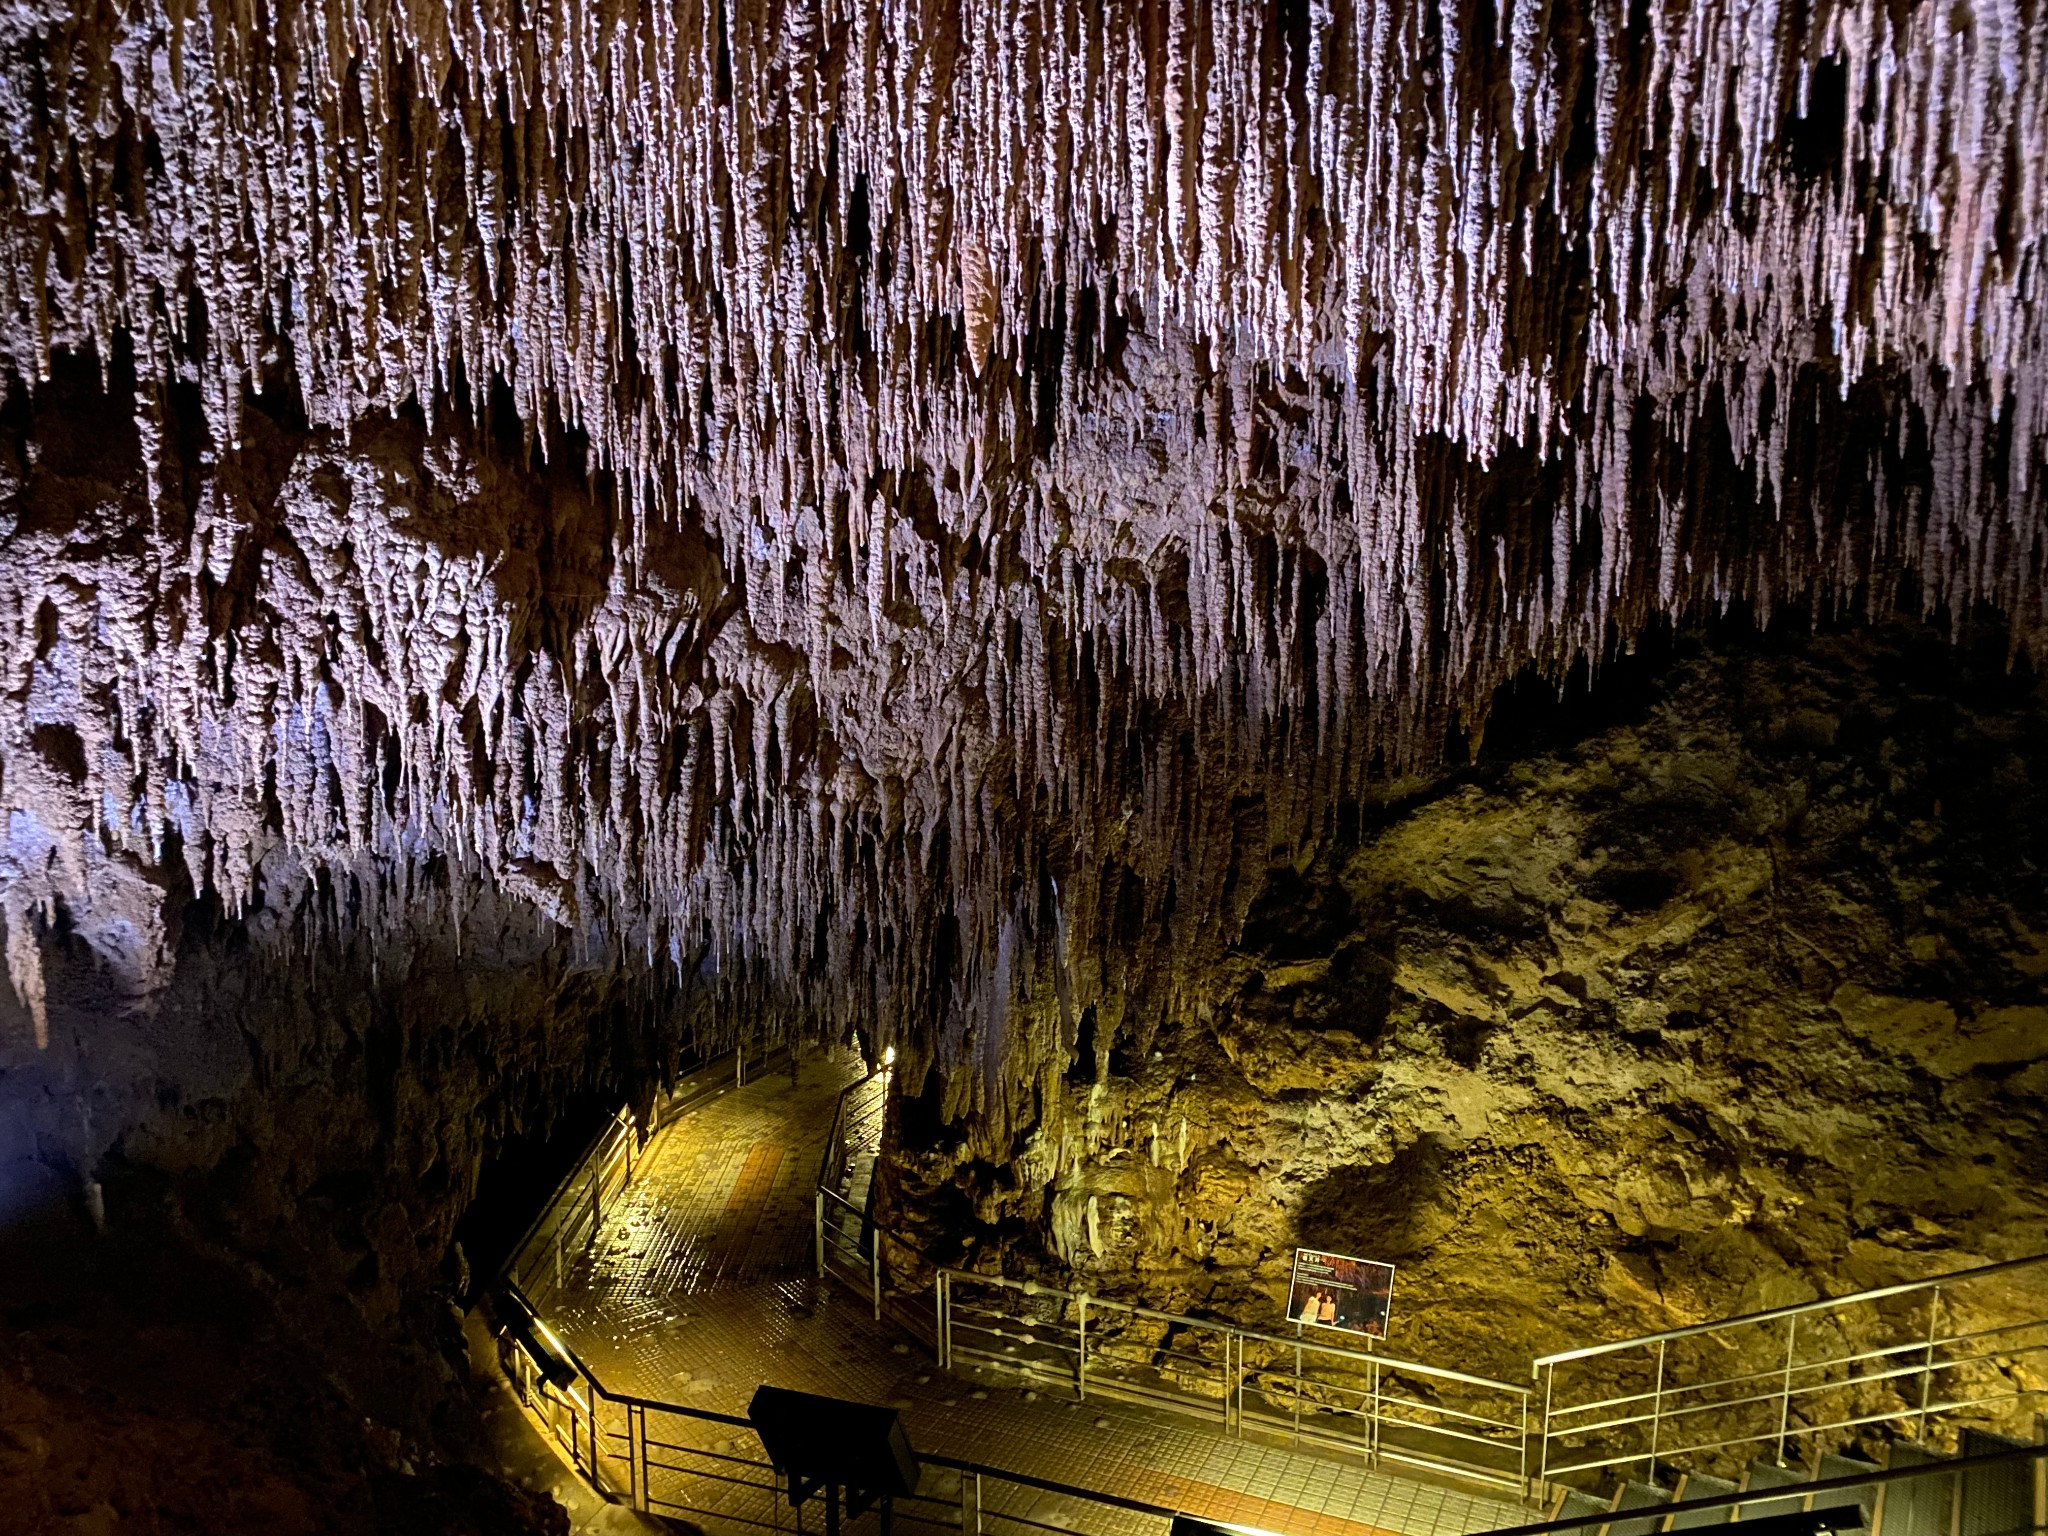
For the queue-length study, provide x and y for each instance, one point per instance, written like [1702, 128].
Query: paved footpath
[699, 1287]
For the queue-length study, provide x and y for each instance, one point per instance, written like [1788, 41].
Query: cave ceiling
[896, 510]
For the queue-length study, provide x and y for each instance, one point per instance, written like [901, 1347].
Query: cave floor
[699, 1286]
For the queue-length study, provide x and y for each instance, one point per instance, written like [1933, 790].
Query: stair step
[1768, 1474]
[1577, 1506]
[1919, 1506]
[1698, 1485]
[1850, 1466]
[1639, 1496]
[1996, 1499]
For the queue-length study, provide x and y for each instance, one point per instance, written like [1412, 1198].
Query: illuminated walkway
[700, 1287]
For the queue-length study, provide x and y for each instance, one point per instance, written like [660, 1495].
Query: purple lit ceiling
[852, 500]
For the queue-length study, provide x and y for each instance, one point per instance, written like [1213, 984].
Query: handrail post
[1081, 1362]
[1785, 1390]
[574, 1449]
[818, 1232]
[632, 1461]
[970, 1500]
[875, 1267]
[1372, 1423]
[1237, 1378]
[942, 1330]
[1226, 1381]
[646, 1476]
[1657, 1416]
[1543, 1445]
[1528, 1488]
[1297, 1383]
[1927, 1362]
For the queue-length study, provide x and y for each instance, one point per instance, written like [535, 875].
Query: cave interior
[1411, 632]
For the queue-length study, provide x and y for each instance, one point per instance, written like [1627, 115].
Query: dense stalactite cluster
[851, 499]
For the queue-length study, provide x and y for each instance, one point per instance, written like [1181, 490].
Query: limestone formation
[895, 510]
[1734, 1003]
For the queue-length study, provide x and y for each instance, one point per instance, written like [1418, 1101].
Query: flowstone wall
[1736, 999]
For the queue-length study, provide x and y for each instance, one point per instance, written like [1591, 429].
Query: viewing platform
[701, 1284]
[732, 1248]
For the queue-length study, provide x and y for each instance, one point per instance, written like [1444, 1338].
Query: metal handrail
[1051, 1485]
[1678, 1418]
[637, 1442]
[1390, 1362]
[1956, 1405]
[1399, 1417]
[696, 1084]
[1721, 1403]
[557, 1202]
[841, 1200]
[829, 1164]
[1914, 1346]
[1875, 1477]
[1796, 1309]
[1406, 1415]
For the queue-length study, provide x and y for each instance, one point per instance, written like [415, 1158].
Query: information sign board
[1334, 1290]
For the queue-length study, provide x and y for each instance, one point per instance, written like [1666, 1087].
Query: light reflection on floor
[699, 1287]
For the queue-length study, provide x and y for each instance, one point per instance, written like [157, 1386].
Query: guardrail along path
[699, 1283]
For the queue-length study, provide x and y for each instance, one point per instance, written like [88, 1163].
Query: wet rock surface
[1736, 1000]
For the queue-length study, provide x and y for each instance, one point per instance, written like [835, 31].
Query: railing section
[573, 1214]
[572, 1217]
[1297, 1388]
[1950, 1354]
[711, 1469]
[851, 1246]
[1924, 1358]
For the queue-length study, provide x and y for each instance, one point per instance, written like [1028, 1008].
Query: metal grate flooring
[698, 1287]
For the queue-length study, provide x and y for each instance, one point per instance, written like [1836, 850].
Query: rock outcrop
[1735, 1000]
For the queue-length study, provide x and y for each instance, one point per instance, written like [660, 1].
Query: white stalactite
[1019, 427]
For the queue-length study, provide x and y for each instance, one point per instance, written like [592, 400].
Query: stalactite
[880, 459]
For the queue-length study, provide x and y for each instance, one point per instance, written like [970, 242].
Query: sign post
[1347, 1295]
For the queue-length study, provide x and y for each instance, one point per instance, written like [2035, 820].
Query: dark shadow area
[1392, 1210]
[146, 1384]
[516, 1182]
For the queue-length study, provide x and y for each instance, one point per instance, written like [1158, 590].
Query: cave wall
[1736, 999]
[230, 1281]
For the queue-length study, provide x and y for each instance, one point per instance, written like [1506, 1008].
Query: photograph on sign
[1333, 1290]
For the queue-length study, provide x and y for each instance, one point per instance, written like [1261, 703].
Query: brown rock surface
[1732, 1003]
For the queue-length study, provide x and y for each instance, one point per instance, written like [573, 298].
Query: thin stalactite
[824, 497]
